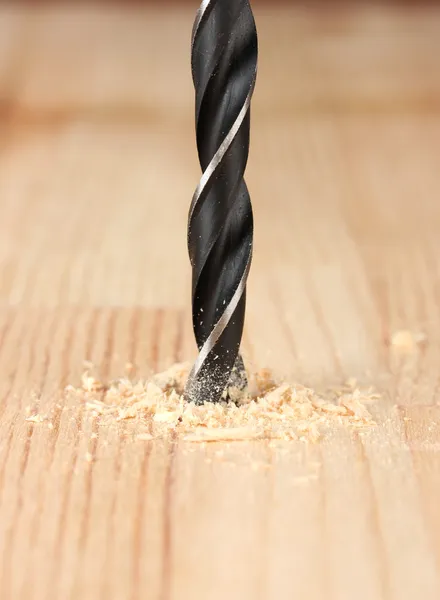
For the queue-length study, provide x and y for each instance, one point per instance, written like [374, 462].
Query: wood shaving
[407, 341]
[268, 410]
[36, 419]
[90, 384]
[144, 437]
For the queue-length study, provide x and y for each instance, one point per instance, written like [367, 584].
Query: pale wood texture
[97, 169]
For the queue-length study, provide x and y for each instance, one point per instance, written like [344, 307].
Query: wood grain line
[156, 337]
[8, 321]
[11, 384]
[58, 552]
[167, 565]
[139, 519]
[324, 564]
[134, 337]
[371, 501]
[143, 477]
[266, 524]
[106, 585]
[92, 447]
[180, 316]
[12, 375]
[52, 441]
[10, 539]
[430, 527]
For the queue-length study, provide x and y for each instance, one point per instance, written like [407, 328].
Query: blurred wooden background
[322, 4]
[97, 169]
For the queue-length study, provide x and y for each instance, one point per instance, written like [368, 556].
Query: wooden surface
[97, 168]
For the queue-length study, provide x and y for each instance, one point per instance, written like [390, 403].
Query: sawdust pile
[269, 409]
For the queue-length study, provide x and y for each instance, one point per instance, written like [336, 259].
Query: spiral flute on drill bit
[220, 227]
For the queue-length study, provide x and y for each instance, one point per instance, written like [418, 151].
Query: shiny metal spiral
[220, 227]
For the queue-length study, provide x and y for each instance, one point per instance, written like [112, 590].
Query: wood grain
[97, 168]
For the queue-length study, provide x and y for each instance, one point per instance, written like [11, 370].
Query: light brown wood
[97, 169]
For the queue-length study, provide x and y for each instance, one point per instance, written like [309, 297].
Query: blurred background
[98, 162]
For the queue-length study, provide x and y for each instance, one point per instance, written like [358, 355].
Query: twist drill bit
[220, 225]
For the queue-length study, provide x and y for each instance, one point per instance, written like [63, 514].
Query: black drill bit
[220, 227]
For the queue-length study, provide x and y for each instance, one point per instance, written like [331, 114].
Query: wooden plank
[346, 515]
[96, 176]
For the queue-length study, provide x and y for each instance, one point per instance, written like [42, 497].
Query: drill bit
[220, 224]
